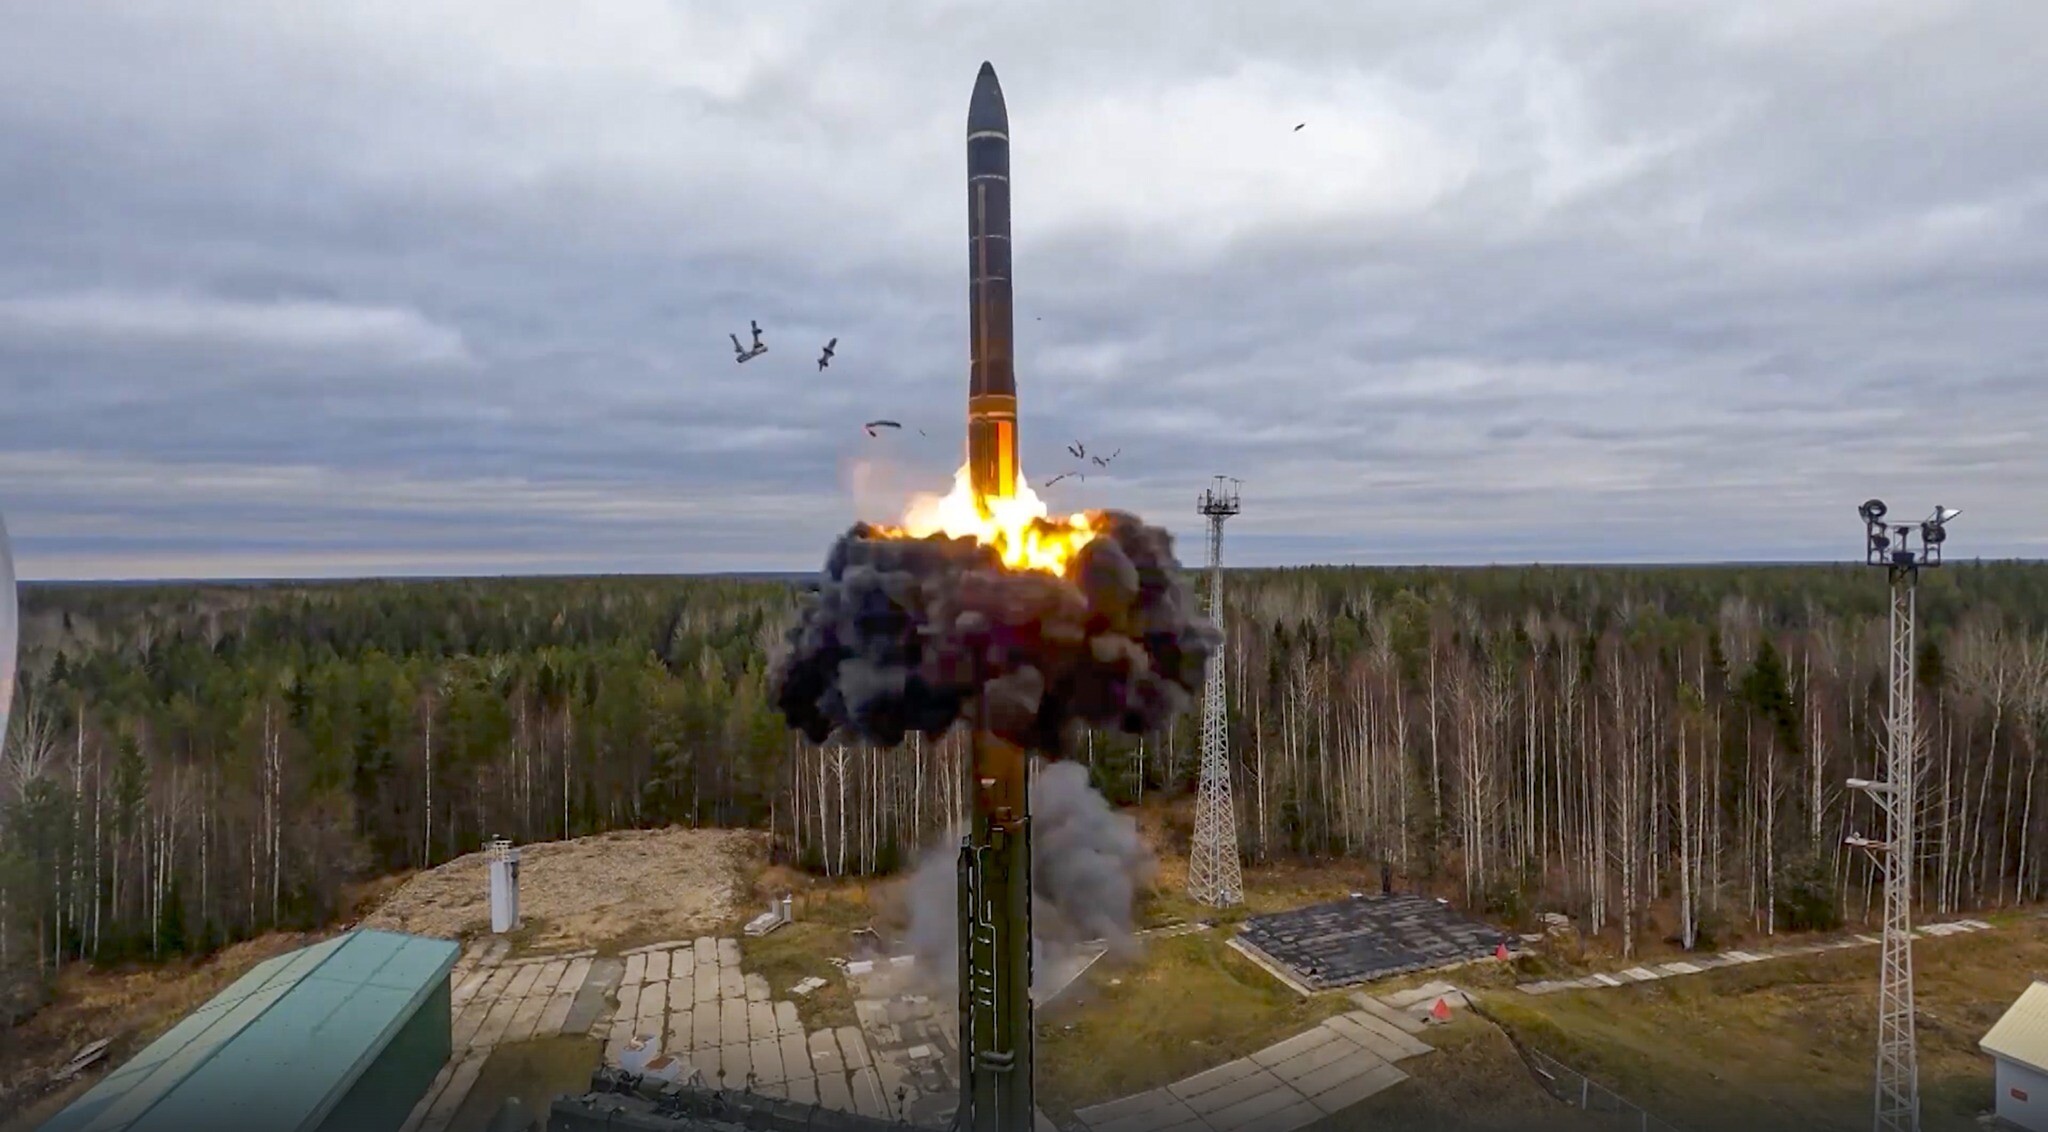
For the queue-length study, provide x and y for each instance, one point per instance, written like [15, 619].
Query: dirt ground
[607, 891]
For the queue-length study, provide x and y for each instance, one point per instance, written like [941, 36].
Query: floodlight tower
[1215, 877]
[1898, 1061]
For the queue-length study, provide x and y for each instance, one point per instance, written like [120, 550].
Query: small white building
[2018, 1046]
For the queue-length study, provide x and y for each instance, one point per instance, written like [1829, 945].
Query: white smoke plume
[1088, 864]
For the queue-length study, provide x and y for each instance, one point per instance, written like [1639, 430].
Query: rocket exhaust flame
[1015, 525]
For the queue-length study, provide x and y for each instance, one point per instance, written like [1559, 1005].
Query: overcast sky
[391, 287]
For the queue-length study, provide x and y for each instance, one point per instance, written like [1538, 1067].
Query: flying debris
[742, 353]
[871, 426]
[1078, 449]
[825, 358]
[1297, 129]
[1103, 461]
[1066, 475]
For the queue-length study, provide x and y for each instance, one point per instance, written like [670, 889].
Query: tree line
[192, 764]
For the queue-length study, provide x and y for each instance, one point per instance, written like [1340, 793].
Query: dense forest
[191, 764]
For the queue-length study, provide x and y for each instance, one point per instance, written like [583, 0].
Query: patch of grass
[794, 952]
[535, 1072]
[1474, 1080]
[1186, 1004]
[522, 938]
[1788, 1043]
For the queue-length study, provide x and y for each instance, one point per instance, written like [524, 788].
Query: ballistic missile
[992, 378]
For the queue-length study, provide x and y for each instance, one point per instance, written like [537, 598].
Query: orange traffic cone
[1441, 1011]
[1500, 951]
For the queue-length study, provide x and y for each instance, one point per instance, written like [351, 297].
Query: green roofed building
[343, 1036]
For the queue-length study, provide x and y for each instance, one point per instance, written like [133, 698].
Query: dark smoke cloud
[1088, 864]
[901, 634]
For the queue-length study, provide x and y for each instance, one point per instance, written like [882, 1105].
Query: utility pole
[1215, 877]
[1897, 1103]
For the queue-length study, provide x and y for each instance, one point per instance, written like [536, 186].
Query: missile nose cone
[985, 111]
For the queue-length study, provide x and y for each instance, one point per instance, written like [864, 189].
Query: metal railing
[1582, 1092]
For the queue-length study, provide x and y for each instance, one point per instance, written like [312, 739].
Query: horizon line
[1586, 564]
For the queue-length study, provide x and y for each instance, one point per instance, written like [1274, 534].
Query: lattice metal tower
[1215, 877]
[1897, 1103]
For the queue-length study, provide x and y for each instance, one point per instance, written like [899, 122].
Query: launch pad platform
[1346, 942]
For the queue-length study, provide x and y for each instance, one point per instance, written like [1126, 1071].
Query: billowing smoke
[1088, 864]
[907, 635]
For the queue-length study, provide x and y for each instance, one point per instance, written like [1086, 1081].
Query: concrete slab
[760, 1020]
[680, 1032]
[1134, 1105]
[1330, 1076]
[1179, 1118]
[1298, 1114]
[1372, 1081]
[1680, 968]
[551, 974]
[825, 1056]
[704, 987]
[834, 1093]
[728, 953]
[735, 1061]
[526, 1020]
[494, 987]
[1382, 1041]
[866, 1087]
[732, 1021]
[802, 1090]
[636, 970]
[796, 1056]
[1247, 1109]
[591, 1005]
[681, 992]
[1207, 1104]
[653, 1000]
[766, 1056]
[786, 1019]
[452, 1095]
[500, 947]
[853, 1047]
[466, 989]
[1391, 1015]
[1188, 1088]
[756, 987]
[704, 1030]
[1334, 1051]
[1298, 1044]
[731, 983]
[629, 1000]
[1605, 980]
[496, 1023]
[1641, 974]
[468, 1021]
[556, 1013]
[1401, 1039]
[657, 967]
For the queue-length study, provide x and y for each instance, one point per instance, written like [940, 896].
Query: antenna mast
[1215, 877]
[1897, 1106]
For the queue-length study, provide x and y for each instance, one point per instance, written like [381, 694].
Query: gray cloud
[383, 287]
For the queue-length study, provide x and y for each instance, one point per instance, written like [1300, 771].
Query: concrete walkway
[1695, 964]
[1282, 1087]
[688, 998]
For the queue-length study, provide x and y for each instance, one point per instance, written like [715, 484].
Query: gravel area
[625, 887]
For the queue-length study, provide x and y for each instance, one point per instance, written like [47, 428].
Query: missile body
[995, 855]
[992, 380]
